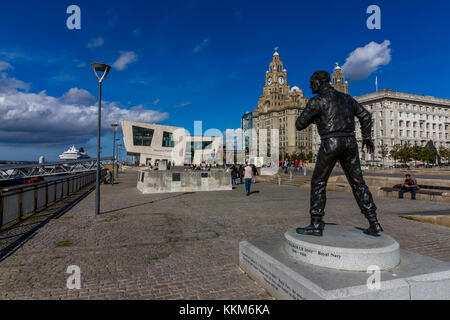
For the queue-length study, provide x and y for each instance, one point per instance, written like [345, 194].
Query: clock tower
[278, 108]
[276, 76]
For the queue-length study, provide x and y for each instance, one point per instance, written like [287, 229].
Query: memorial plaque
[176, 177]
[204, 175]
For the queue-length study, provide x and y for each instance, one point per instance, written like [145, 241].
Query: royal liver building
[278, 108]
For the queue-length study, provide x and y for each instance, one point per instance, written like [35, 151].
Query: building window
[142, 136]
[167, 140]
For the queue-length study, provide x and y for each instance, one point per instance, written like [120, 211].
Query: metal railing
[18, 203]
[10, 172]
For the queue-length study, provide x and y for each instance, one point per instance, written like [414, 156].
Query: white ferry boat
[74, 154]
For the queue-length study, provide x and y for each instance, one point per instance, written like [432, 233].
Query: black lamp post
[117, 151]
[114, 125]
[99, 67]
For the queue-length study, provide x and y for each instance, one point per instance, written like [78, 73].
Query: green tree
[301, 156]
[428, 155]
[444, 154]
[383, 152]
[394, 153]
[416, 153]
[404, 154]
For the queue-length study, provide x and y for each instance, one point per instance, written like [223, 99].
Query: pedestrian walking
[241, 173]
[248, 175]
[234, 174]
[255, 173]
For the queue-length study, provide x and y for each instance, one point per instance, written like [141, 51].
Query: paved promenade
[184, 246]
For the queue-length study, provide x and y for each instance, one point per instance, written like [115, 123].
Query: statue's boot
[314, 229]
[374, 226]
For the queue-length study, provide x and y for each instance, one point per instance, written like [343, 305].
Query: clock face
[269, 81]
[281, 80]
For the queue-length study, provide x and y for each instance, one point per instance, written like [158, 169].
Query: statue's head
[318, 80]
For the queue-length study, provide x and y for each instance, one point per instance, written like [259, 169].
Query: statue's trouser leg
[349, 161]
[326, 160]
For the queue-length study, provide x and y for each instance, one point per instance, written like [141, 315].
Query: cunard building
[404, 118]
[279, 107]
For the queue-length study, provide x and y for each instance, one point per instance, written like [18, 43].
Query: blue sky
[193, 60]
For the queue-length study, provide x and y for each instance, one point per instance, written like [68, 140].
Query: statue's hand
[369, 144]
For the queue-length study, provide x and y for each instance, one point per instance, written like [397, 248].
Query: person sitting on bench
[410, 185]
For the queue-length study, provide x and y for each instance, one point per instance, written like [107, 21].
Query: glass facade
[142, 136]
[168, 140]
[192, 147]
[247, 121]
[200, 145]
[247, 126]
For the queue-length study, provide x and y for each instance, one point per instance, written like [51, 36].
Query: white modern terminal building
[153, 142]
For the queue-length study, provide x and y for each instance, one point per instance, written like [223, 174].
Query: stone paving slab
[184, 245]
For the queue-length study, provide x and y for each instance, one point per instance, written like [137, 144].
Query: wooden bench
[420, 191]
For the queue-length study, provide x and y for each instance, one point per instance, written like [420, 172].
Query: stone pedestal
[335, 267]
[344, 248]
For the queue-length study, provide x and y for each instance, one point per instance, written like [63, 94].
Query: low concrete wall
[189, 181]
[375, 183]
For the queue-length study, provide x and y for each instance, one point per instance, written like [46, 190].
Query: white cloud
[79, 64]
[365, 60]
[37, 118]
[78, 96]
[11, 84]
[126, 58]
[95, 43]
[183, 104]
[201, 45]
[5, 66]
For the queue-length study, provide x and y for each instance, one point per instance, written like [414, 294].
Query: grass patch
[63, 244]
[171, 221]
[410, 218]
[151, 259]
[173, 241]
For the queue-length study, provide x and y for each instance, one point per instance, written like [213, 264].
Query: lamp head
[101, 67]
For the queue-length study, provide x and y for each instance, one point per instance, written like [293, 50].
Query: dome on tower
[295, 88]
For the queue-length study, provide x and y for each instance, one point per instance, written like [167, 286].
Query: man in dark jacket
[334, 114]
[410, 185]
